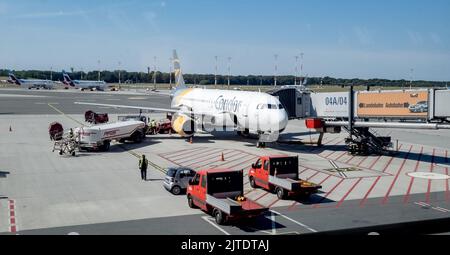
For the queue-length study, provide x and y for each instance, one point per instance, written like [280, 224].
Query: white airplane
[212, 109]
[83, 85]
[30, 84]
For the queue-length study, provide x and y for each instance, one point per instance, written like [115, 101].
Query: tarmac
[42, 192]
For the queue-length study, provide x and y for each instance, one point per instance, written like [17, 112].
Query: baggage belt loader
[220, 193]
[280, 174]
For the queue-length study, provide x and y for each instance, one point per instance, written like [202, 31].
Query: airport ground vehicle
[177, 179]
[96, 118]
[99, 137]
[221, 193]
[280, 174]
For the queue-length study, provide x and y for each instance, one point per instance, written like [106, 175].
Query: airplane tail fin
[305, 81]
[67, 80]
[13, 79]
[179, 80]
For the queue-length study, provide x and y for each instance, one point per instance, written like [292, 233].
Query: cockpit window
[280, 106]
[267, 106]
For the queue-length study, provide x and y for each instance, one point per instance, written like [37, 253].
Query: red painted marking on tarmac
[180, 152]
[350, 159]
[312, 176]
[406, 198]
[320, 183]
[263, 195]
[364, 159]
[348, 193]
[447, 193]
[171, 161]
[328, 193]
[273, 203]
[184, 153]
[246, 162]
[427, 197]
[386, 197]
[201, 155]
[214, 155]
[329, 154]
[340, 156]
[324, 180]
[388, 164]
[331, 140]
[12, 217]
[363, 201]
[374, 162]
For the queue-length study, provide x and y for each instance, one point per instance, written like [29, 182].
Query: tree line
[208, 79]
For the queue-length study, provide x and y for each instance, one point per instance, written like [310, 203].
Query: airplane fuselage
[98, 85]
[29, 84]
[252, 111]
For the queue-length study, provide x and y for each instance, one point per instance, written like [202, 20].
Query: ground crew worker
[153, 126]
[143, 164]
[71, 133]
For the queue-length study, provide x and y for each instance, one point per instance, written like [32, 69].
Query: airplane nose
[282, 120]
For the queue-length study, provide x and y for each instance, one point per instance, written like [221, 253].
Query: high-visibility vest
[143, 164]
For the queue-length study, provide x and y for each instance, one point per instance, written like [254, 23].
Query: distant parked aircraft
[31, 83]
[83, 85]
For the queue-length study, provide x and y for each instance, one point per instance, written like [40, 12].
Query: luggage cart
[65, 144]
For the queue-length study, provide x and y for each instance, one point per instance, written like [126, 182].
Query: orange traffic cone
[222, 158]
[10, 129]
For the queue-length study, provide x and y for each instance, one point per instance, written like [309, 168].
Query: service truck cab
[280, 174]
[221, 193]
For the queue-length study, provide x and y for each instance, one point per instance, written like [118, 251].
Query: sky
[390, 39]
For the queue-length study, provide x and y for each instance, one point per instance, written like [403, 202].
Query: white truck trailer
[99, 137]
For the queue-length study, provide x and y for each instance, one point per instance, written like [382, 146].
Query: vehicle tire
[219, 217]
[281, 194]
[106, 145]
[176, 190]
[252, 182]
[137, 137]
[191, 202]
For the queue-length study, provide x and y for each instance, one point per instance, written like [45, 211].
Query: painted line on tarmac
[162, 170]
[294, 221]
[427, 196]
[386, 197]
[200, 155]
[447, 193]
[12, 216]
[348, 192]
[65, 115]
[406, 197]
[207, 219]
[328, 193]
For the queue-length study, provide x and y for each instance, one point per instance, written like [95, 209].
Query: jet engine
[183, 125]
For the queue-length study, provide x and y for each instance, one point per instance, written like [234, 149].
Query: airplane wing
[165, 93]
[152, 109]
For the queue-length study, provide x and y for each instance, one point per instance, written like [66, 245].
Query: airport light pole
[229, 71]
[51, 73]
[119, 73]
[296, 70]
[81, 78]
[154, 73]
[215, 73]
[411, 81]
[301, 68]
[98, 70]
[276, 69]
[170, 73]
